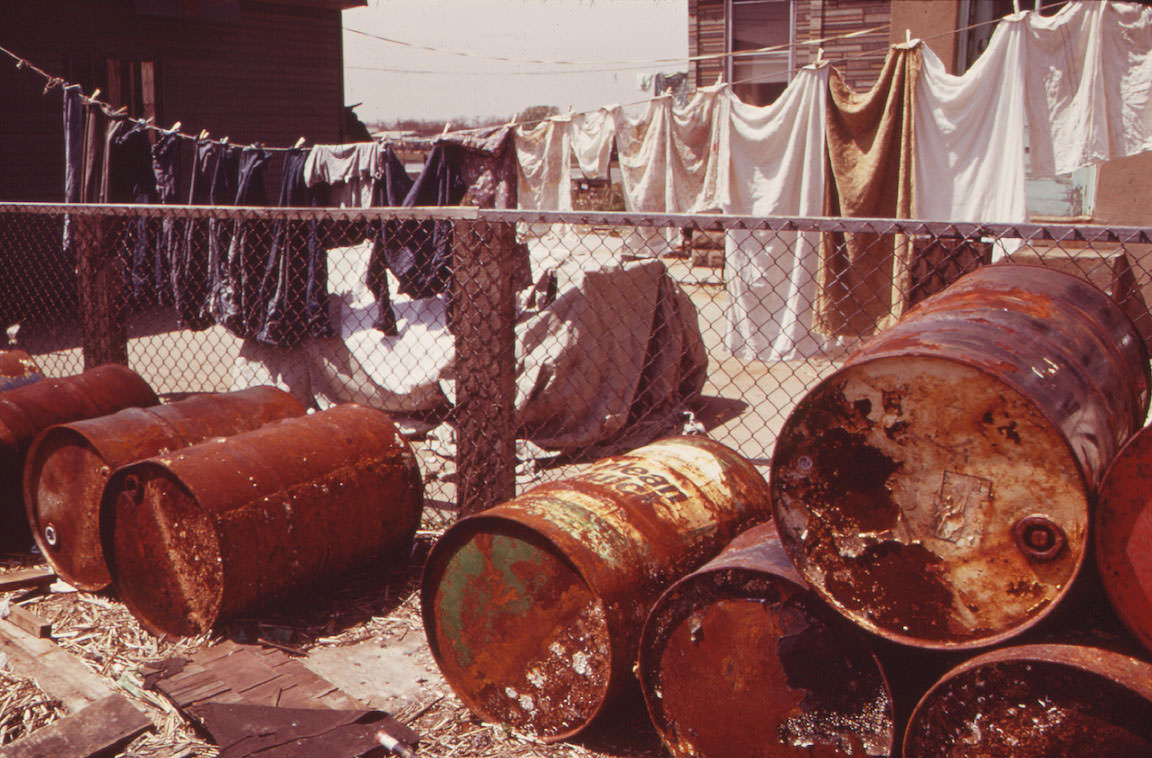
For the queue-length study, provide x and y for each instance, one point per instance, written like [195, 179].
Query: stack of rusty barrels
[201, 508]
[915, 577]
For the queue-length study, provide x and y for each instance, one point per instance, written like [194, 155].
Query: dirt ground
[364, 633]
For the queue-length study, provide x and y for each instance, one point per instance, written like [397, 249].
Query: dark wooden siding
[859, 59]
[272, 75]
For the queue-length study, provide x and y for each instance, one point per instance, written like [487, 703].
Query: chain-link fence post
[482, 316]
[101, 281]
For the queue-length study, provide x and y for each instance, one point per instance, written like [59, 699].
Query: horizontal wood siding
[707, 35]
[274, 75]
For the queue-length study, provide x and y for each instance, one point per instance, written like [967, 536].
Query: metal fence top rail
[1057, 232]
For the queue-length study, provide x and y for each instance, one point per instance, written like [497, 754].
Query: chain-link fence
[508, 345]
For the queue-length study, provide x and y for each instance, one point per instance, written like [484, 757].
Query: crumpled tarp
[607, 352]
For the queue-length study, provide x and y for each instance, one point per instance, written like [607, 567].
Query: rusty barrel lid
[533, 609]
[740, 657]
[1123, 535]
[935, 489]
[233, 523]
[68, 465]
[1037, 701]
[17, 368]
[27, 410]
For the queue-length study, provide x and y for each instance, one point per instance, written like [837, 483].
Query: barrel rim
[452, 540]
[862, 620]
[108, 532]
[1058, 654]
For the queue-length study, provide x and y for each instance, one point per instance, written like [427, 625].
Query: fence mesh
[508, 345]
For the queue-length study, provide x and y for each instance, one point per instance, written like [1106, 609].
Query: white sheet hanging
[772, 164]
[1089, 70]
[542, 153]
[592, 135]
[970, 153]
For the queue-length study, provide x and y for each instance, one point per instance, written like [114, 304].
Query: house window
[754, 24]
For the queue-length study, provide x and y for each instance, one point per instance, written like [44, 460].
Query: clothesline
[52, 81]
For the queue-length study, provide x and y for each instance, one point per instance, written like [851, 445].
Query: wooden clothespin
[95, 94]
[123, 109]
[299, 144]
[224, 141]
[447, 124]
[907, 36]
[203, 134]
[175, 127]
[819, 56]
[1015, 6]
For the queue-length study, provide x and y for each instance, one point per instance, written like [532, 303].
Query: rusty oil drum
[935, 489]
[232, 523]
[740, 657]
[1123, 535]
[533, 609]
[27, 410]
[17, 368]
[68, 465]
[1037, 701]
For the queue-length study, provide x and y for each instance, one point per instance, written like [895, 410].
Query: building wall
[272, 73]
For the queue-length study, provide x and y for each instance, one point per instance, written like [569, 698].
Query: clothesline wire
[52, 81]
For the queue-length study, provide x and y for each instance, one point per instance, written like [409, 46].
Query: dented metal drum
[17, 368]
[28, 410]
[935, 489]
[68, 465]
[741, 658]
[1123, 531]
[232, 523]
[533, 609]
[1037, 701]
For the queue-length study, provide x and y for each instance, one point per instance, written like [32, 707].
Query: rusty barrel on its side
[1123, 535]
[935, 489]
[740, 657]
[68, 465]
[533, 609]
[17, 368]
[232, 523]
[28, 410]
[1037, 701]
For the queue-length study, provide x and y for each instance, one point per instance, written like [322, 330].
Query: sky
[395, 81]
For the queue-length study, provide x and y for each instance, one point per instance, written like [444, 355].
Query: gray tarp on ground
[608, 361]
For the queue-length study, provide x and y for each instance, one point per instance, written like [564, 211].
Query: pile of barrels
[953, 526]
[201, 508]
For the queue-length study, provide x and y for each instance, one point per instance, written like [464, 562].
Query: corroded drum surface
[935, 489]
[533, 609]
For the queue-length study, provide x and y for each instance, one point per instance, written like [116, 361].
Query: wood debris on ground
[381, 604]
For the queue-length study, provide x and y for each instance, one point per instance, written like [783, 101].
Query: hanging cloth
[214, 179]
[235, 300]
[870, 135]
[166, 170]
[772, 163]
[347, 169]
[542, 154]
[392, 186]
[294, 290]
[592, 136]
[131, 180]
[1089, 84]
[970, 159]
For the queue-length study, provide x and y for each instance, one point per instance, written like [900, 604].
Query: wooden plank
[101, 728]
[56, 671]
[38, 576]
[33, 623]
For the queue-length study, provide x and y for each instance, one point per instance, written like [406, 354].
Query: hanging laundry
[235, 289]
[131, 180]
[392, 186]
[487, 163]
[214, 178]
[970, 159]
[667, 164]
[74, 117]
[542, 152]
[864, 275]
[592, 136]
[772, 163]
[347, 169]
[1089, 81]
[294, 288]
[166, 170]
